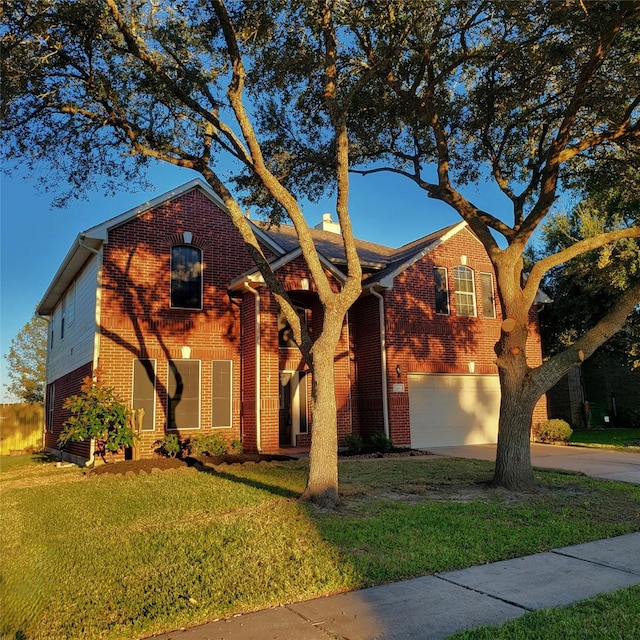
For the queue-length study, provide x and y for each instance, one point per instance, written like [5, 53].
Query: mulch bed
[157, 465]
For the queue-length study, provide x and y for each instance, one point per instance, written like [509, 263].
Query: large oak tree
[93, 91]
[535, 98]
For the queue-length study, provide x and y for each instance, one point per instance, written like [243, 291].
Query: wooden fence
[21, 428]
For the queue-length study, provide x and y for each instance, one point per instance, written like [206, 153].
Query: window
[63, 313]
[488, 299]
[465, 292]
[442, 290]
[221, 401]
[285, 333]
[51, 397]
[186, 277]
[144, 390]
[183, 393]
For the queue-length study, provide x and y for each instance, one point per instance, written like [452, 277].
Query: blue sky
[34, 238]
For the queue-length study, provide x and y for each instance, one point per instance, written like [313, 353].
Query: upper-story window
[442, 290]
[186, 277]
[488, 299]
[465, 291]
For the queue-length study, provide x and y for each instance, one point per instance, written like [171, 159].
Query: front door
[293, 406]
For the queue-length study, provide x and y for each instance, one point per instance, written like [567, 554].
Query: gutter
[383, 358]
[256, 295]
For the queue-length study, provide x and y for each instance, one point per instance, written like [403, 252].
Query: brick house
[166, 301]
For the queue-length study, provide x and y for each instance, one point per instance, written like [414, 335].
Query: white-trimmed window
[221, 399]
[144, 390]
[186, 277]
[465, 291]
[441, 285]
[183, 394]
[488, 298]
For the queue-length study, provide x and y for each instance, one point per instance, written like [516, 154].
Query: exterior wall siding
[77, 347]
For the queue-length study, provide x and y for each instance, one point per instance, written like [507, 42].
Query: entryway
[293, 407]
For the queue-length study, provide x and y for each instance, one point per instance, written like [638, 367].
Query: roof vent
[328, 224]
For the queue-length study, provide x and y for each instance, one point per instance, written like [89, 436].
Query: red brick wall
[419, 340]
[137, 320]
[66, 386]
[367, 367]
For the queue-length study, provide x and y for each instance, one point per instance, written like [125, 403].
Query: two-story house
[166, 301]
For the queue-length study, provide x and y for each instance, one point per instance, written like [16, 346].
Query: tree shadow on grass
[216, 470]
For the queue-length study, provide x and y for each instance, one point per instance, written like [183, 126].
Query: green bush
[170, 445]
[554, 431]
[354, 442]
[96, 412]
[236, 446]
[381, 442]
[212, 445]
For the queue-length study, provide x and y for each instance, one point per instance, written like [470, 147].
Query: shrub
[554, 431]
[96, 412]
[236, 446]
[213, 445]
[354, 442]
[170, 445]
[381, 442]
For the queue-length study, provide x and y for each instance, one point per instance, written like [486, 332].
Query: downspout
[256, 295]
[96, 344]
[383, 359]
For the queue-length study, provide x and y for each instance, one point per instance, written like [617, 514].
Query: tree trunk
[322, 484]
[513, 457]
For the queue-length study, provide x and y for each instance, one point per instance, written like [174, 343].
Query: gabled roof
[89, 242]
[385, 262]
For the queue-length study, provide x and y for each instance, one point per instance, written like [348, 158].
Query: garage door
[450, 410]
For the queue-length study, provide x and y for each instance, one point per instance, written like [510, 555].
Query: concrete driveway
[597, 463]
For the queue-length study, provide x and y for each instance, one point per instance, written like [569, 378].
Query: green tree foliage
[585, 288]
[97, 412]
[27, 360]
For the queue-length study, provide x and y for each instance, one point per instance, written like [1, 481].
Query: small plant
[213, 445]
[554, 431]
[96, 412]
[381, 442]
[236, 446]
[170, 445]
[354, 442]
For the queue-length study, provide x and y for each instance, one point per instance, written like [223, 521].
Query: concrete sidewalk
[436, 606]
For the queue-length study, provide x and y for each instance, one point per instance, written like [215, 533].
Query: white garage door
[450, 410]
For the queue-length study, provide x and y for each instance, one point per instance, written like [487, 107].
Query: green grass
[124, 557]
[615, 615]
[609, 438]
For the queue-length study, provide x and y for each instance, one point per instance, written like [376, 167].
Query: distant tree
[584, 289]
[27, 359]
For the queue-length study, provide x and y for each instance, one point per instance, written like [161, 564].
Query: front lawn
[609, 438]
[126, 557]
